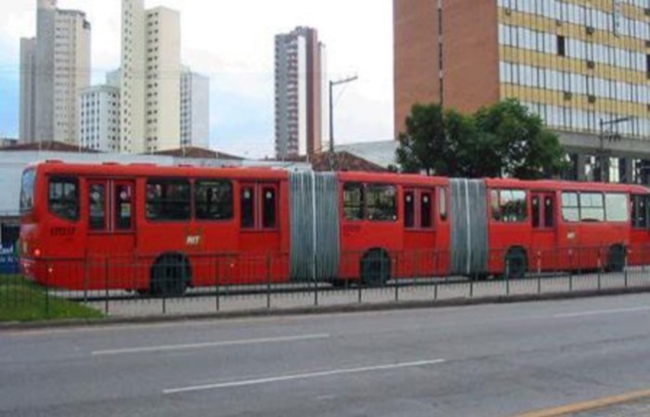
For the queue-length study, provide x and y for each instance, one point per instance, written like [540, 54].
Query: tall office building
[195, 110]
[583, 66]
[150, 78]
[100, 118]
[54, 69]
[298, 93]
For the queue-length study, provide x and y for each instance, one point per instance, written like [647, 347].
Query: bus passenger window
[269, 211]
[549, 211]
[425, 210]
[592, 207]
[639, 212]
[409, 210]
[123, 206]
[442, 202]
[64, 198]
[247, 208]
[353, 201]
[213, 200]
[616, 207]
[570, 207]
[536, 216]
[97, 204]
[496, 208]
[168, 199]
[382, 202]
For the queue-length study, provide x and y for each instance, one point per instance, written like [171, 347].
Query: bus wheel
[616, 259]
[170, 275]
[375, 268]
[516, 264]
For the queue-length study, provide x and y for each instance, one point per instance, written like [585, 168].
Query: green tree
[423, 142]
[527, 150]
[504, 139]
[435, 141]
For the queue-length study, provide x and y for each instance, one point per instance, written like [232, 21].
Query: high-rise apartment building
[27, 90]
[298, 93]
[100, 118]
[54, 69]
[150, 78]
[195, 110]
[583, 66]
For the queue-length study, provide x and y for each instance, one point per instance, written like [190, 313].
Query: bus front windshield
[27, 191]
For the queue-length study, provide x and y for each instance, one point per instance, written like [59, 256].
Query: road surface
[485, 360]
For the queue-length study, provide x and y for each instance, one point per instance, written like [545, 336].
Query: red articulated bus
[161, 229]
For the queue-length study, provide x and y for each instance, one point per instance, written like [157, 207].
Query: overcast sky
[232, 43]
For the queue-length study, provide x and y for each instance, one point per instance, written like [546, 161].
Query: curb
[317, 310]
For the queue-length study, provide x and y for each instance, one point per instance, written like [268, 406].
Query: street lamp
[332, 84]
[614, 137]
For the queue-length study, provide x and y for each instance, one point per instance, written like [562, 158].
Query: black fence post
[507, 275]
[600, 268]
[47, 289]
[471, 285]
[217, 274]
[395, 278]
[86, 262]
[106, 272]
[268, 281]
[360, 282]
[315, 279]
[163, 288]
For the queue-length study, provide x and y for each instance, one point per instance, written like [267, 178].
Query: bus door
[110, 242]
[418, 255]
[544, 254]
[260, 237]
[640, 230]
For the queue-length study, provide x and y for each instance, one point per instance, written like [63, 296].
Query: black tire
[516, 264]
[375, 268]
[170, 276]
[616, 259]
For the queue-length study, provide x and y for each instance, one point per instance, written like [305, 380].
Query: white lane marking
[602, 312]
[148, 349]
[284, 378]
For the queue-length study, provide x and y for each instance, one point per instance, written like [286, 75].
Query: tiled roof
[194, 152]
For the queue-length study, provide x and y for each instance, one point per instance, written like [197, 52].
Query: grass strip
[22, 300]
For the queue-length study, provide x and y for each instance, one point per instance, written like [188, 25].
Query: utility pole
[611, 138]
[332, 85]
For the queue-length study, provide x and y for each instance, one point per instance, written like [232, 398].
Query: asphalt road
[486, 360]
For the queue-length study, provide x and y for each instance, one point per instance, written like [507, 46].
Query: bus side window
[123, 206]
[97, 204]
[269, 210]
[353, 201]
[425, 210]
[536, 216]
[63, 199]
[248, 208]
[442, 201]
[639, 212]
[409, 210]
[549, 211]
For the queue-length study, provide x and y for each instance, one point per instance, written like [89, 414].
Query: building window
[561, 45]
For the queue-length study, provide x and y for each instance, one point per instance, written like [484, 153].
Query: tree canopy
[504, 139]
